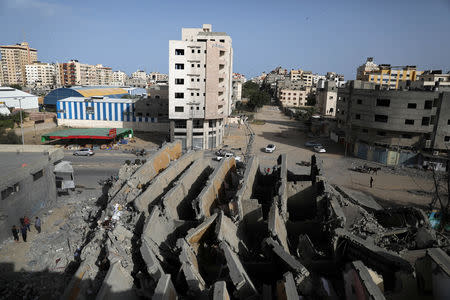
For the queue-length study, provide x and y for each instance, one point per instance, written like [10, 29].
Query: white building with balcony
[200, 87]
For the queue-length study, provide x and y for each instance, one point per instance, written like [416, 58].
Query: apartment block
[200, 86]
[139, 74]
[156, 77]
[385, 75]
[76, 73]
[119, 78]
[42, 75]
[294, 98]
[238, 81]
[14, 59]
[398, 119]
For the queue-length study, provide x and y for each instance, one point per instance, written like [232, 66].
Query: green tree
[16, 86]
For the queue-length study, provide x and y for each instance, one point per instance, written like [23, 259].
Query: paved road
[90, 169]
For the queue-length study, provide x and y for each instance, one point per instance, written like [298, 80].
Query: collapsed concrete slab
[359, 198]
[359, 283]
[190, 268]
[165, 289]
[118, 284]
[241, 281]
[196, 234]
[282, 190]
[346, 244]
[433, 273]
[226, 231]
[248, 183]
[220, 291]
[160, 183]
[277, 227]
[177, 201]
[208, 200]
[286, 288]
[154, 165]
[287, 261]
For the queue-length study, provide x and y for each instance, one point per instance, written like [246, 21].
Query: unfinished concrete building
[183, 226]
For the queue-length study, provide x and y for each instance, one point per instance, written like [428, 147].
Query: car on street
[319, 149]
[312, 144]
[270, 148]
[83, 152]
[221, 155]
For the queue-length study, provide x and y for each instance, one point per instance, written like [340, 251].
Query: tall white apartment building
[119, 78]
[200, 86]
[42, 75]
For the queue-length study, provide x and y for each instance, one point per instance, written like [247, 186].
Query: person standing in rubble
[26, 221]
[371, 182]
[37, 224]
[23, 230]
[15, 233]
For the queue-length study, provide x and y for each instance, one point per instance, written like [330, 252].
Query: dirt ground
[289, 136]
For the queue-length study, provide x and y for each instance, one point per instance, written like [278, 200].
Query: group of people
[24, 227]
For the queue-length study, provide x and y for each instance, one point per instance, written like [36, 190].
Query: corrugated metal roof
[11, 92]
[105, 99]
[101, 92]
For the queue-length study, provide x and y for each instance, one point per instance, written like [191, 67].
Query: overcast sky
[313, 35]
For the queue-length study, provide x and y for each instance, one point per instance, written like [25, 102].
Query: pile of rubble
[180, 225]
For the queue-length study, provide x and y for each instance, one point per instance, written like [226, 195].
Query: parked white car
[219, 157]
[83, 152]
[320, 149]
[270, 148]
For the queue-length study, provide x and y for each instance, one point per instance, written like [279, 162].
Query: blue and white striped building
[101, 113]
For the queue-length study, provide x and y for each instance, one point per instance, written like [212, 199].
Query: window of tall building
[179, 81]
[358, 117]
[425, 121]
[179, 109]
[412, 105]
[447, 138]
[428, 104]
[179, 51]
[179, 95]
[179, 66]
[381, 118]
[409, 122]
[358, 101]
[381, 133]
[383, 102]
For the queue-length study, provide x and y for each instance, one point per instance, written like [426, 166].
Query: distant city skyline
[329, 36]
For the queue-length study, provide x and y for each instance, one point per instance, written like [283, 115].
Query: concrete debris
[220, 291]
[183, 226]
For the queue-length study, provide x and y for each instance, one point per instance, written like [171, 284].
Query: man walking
[371, 181]
[15, 233]
[27, 222]
[23, 229]
[37, 224]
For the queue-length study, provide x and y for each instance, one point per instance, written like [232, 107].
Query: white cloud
[44, 8]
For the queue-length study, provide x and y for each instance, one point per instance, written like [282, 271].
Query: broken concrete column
[158, 184]
[165, 289]
[173, 200]
[220, 291]
[245, 192]
[241, 281]
[277, 227]
[286, 288]
[118, 284]
[206, 201]
[359, 283]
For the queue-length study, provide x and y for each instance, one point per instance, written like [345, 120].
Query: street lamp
[21, 122]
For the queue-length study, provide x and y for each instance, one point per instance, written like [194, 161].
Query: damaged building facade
[184, 226]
